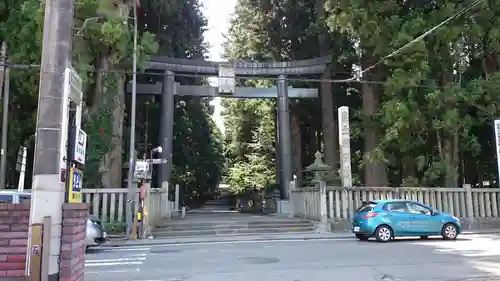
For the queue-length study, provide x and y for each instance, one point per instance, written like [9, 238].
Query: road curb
[152, 242]
[161, 243]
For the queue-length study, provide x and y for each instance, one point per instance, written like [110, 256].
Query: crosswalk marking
[113, 263]
[127, 249]
[118, 260]
[115, 260]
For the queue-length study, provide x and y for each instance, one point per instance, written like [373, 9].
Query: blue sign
[75, 186]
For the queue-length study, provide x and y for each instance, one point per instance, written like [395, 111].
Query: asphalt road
[471, 258]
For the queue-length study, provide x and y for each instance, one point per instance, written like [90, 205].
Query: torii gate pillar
[166, 135]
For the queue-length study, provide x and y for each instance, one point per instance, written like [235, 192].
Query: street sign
[80, 146]
[141, 170]
[36, 250]
[75, 186]
[157, 161]
[497, 140]
[75, 81]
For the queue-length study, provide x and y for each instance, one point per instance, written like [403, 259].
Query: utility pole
[5, 127]
[130, 178]
[4, 89]
[48, 192]
[3, 56]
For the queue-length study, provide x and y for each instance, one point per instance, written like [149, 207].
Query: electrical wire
[412, 42]
[269, 78]
[353, 79]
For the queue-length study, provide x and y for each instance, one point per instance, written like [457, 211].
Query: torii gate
[227, 73]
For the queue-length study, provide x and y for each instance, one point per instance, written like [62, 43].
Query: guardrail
[465, 202]
[109, 204]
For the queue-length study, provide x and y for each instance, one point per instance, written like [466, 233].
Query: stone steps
[225, 232]
[223, 224]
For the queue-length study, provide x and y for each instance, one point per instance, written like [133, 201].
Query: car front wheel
[449, 232]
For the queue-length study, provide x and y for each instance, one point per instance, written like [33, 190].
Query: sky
[218, 17]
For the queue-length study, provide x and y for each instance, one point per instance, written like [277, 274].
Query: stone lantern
[321, 171]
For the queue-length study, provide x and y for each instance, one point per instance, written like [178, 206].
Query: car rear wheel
[449, 232]
[362, 237]
[383, 233]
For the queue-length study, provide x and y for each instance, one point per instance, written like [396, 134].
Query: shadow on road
[411, 239]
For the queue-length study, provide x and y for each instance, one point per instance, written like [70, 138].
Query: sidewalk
[241, 238]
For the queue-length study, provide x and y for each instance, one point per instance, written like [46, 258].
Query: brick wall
[14, 225]
[73, 242]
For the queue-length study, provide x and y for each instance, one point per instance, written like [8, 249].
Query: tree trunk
[450, 160]
[375, 170]
[116, 163]
[329, 123]
[112, 163]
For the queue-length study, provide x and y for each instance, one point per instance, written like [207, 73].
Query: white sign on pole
[157, 161]
[141, 170]
[80, 146]
[345, 146]
[75, 81]
[497, 140]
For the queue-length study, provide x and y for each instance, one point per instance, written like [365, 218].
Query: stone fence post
[177, 199]
[469, 205]
[321, 173]
[323, 211]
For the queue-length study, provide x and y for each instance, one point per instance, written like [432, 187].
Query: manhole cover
[259, 260]
[160, 251]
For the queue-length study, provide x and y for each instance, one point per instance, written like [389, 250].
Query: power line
[412, 42]
[194, 75]
[352, 79]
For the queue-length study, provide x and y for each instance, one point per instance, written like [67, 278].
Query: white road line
[127, 249]
[114, 271]
[115, 260]
[114, 263]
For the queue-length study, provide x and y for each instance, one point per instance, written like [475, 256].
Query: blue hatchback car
[387, 219]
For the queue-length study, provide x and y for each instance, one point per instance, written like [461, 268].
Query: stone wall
[74, 224]
[14, 225]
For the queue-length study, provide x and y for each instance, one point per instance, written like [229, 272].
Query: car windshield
[366, 207]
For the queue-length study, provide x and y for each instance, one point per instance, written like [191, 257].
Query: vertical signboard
[345, 146]
[75, 186]
[80, 146]
[497, 141]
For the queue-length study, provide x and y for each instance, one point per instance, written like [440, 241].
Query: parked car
[387, 219]
[95, 232]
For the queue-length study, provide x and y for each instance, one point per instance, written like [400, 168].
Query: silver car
[95, 232]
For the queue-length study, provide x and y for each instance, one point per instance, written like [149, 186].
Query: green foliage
[115, 228]
[103, 40]
[426, 120]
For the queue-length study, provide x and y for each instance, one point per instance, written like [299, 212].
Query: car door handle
[388, 215]
[412, 217]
